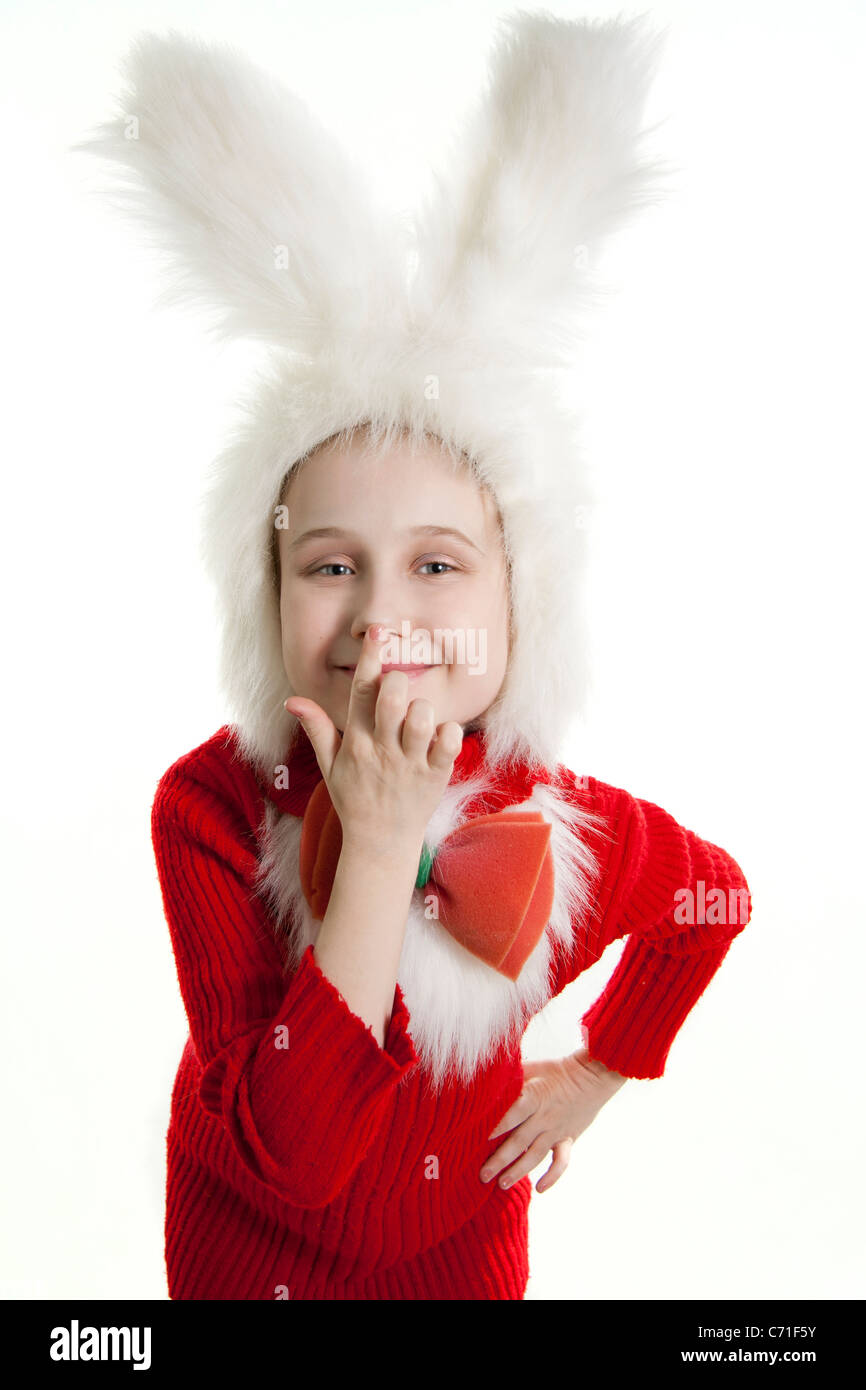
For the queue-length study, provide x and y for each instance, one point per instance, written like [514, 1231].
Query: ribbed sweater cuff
[631, 1026]
[307, 1098]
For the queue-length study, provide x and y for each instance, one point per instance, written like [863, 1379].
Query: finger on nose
[375, 642]
[370, 661]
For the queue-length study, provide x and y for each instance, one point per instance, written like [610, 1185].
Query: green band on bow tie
[425, 864]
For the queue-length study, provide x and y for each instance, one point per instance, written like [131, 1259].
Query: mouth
[411, 670]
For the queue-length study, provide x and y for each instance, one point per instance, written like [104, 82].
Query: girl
[380, 872]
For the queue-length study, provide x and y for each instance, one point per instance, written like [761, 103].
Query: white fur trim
[460, 1008]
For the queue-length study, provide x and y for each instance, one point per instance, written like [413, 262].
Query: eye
[441, 563]
[332, 565]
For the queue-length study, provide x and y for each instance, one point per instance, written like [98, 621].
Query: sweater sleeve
[680, 901]
[298, 1080]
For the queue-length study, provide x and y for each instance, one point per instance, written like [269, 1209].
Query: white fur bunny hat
[453, 323]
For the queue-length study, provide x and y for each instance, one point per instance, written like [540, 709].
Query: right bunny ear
[547, 166]
[262, 217]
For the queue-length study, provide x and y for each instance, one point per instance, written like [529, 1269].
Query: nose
[361, 627]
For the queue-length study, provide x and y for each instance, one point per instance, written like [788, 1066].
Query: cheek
[500, 611]
[298, 614]
[309, 630]
[294, 627]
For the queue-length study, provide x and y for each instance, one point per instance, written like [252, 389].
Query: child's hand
[559, 1100]
[387, 772]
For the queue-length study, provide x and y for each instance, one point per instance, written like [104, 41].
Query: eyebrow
[336, 532]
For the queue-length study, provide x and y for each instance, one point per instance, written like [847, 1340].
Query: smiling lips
[409, 669]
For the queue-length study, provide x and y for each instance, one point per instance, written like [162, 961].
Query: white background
[723, 402]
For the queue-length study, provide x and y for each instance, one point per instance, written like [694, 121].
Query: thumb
[320, 730]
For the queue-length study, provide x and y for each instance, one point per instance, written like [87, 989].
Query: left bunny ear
[262, 216]
[547, 167]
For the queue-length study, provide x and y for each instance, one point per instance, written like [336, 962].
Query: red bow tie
[492, 878]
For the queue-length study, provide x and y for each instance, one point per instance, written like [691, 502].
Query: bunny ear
[547, 167]
[263, 218]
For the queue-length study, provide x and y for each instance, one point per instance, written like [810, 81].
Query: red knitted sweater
[305, 1172]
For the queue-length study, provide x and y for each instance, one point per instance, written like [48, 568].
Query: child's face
[374, 570]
